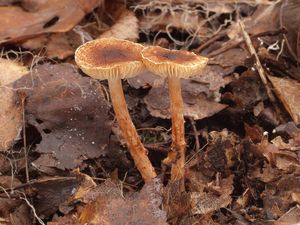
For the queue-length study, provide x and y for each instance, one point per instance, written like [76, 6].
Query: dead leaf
[290, 19]
[59, 47]
[277, 196]
[231, 58]
[176, 203]
[288, 92]
[289, 128]
[280, 144]
[10, 111]
[290, 217]
[266, 174]
[9, 182]
[50, 193]
[107, 205]
[223, 151]
[45, 17]
[69, 111]
[213, 198]
[145, 80]
[86, 183]
[255, 132]
[126, 27]
[248, 90]
[21, 215]
[196, 104]
[281, 159]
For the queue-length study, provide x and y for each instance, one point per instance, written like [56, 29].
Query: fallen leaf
[289, 128]
[248, 90]
[255, 132]
[10, 110]
[69, 111]
[107, 205]
[281, 159]
[126, 27]
[21, 215]
[231, 58]
[288, 92]
[290, 217]
[59, 47]
[290, 19]
[9, 182]
[222, 151]
[280, 144]
[213, 198]
[50, 193]
[196, 104]
[86, 183]
[47, 16]
[277, 196]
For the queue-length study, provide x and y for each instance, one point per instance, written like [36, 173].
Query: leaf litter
[242, 163]
[69, 111]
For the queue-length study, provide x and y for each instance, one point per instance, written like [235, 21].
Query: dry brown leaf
[266, 174]
[126, 27]
[14, 211]
[43, 17]
[9, 181]
[248, 90]
[197, 107]
[278, 196]
[10, 111]
[250, 2]
[290, 217]
[231, 58]
[288, 92]
[281, 159]
[290, 19]
[86, 183]
[196, 104]
[213, 198]
[255, 132]
[182, 19]
[69, 111]
[280, 144]
[107, 205]
[59, 47]
[21, 215]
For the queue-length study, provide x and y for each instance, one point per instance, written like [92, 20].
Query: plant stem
[178, 141]
[135, 146]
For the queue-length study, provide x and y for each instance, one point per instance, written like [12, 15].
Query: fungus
[173, 65]
[114, 59]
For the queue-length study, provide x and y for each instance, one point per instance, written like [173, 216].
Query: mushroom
[173, 65]
[115, 59]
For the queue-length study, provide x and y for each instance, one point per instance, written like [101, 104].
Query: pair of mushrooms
[115, 59]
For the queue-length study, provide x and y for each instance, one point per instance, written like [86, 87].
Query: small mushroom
[114, 59]
[173, 65]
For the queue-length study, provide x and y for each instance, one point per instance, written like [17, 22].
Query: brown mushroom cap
[173, 63]
[110, 58]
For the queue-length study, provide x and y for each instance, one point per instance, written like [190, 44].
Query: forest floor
[63, 159]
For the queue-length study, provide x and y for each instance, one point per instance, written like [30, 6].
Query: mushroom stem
[178, 144]
[135, 146]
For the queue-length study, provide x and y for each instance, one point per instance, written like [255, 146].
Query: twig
[234, 43]
[197, 142]
[214, 38]
[32, 208]
[23, 97]
[259, 67]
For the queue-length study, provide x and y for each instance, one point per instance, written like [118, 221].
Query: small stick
[197, 142]
[235, 43]
[23, 96]
[259, 67]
